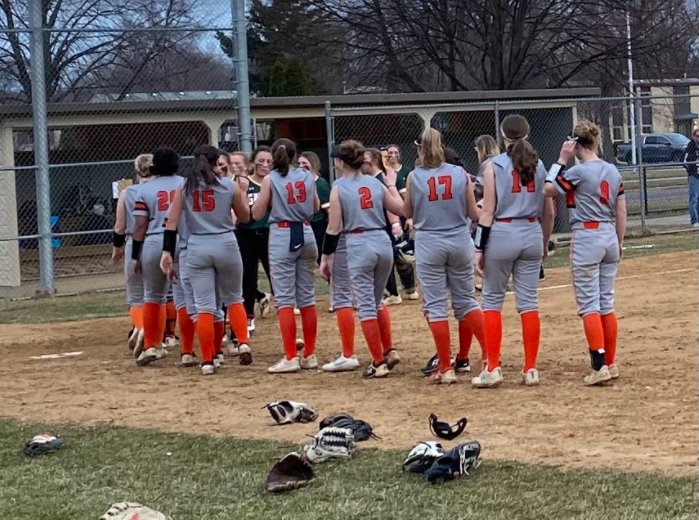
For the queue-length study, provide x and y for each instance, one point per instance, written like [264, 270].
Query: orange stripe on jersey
[141, 206]
[563, 183]
[570, 199]
[621, 189]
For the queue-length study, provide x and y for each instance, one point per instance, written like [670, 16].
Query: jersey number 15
[203, 201]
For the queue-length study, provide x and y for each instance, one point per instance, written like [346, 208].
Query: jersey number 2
[207, 202]
[517, 186]
[604, 190]
[445, 181]
[165, 199]
[300, 189]
[365, 201]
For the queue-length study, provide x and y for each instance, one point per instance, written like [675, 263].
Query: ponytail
[283, 153]
[524, 159]
[205, 158]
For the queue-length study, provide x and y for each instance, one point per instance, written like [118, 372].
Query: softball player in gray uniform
[513, 227]
[440, 200]
[357, 205]
[342, 302]
[213, 260]
[290, 195]
[184, 297]
[123, 230]
[150, 210]
[597, 213]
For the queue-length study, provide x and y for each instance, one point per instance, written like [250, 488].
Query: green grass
[205, 478]
[110, 304]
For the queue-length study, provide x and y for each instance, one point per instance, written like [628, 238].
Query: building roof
[105, 105]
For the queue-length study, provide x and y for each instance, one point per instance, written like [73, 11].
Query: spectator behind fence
[690, 159]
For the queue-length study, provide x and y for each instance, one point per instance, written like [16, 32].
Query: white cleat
[171, 342]
[233, 349]
[160, 353]
[598, 377]
[488, 379]
[285, 366]
[251, 326]
[613, 371]
[245, 354]
[147, 357]
[392, 300]
[297, 311]
[224, 341]
[529, 378]
[371, 371]
[217, 363]
[309, 363]
[265, 304]
[138, 349]
[188, 360]
[446, 378]
[413, 295]
[221, 359]
[342, 364]
[133, 338]
[208, 370]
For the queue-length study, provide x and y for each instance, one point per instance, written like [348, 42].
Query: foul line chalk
[631, 277]
[56, 356]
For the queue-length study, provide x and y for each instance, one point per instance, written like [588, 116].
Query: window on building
[646, 110]
[682, 102]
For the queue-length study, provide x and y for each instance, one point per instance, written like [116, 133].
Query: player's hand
[117, 255]
[408, 225]
[391, 176]
[479, 263]
[397, 231]
[546, 250]
[243, 182]
[137, 267]
[326, 267]
[567, 152]
[166, 263]
[621, 250]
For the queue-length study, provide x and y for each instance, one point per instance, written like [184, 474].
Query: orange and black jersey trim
[141, 206]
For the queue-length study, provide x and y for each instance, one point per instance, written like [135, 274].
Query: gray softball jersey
[293, 196]
[514, 200]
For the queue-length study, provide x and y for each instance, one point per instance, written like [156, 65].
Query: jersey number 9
[204, 202]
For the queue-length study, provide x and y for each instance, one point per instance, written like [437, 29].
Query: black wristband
[118, 240]
[330, 243]
[136, 246]
[170, 241]
[482, 235]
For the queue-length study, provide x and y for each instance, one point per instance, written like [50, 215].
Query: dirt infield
[646, 421]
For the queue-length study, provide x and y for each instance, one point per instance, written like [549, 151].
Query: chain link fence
[646, 138]
[121, 79]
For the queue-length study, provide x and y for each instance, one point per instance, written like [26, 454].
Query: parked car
[656, 148]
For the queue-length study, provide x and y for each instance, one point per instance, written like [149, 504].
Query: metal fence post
[242, 94]
[497, 121]
[41, 147]
[330, 131]
[643, 194]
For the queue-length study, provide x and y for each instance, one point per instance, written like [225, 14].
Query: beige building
[666, 106]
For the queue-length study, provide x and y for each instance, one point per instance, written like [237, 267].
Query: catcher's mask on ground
[444, 431]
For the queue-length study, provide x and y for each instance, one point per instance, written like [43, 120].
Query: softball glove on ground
[289, 473]
[455, 463]
[132, 511]
[422, 456]
[330, 443]
[331, 419]
[361, 430]
[287, 412]
[42, 444]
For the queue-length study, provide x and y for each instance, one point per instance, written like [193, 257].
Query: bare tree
[76, 59]
[504, 44]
